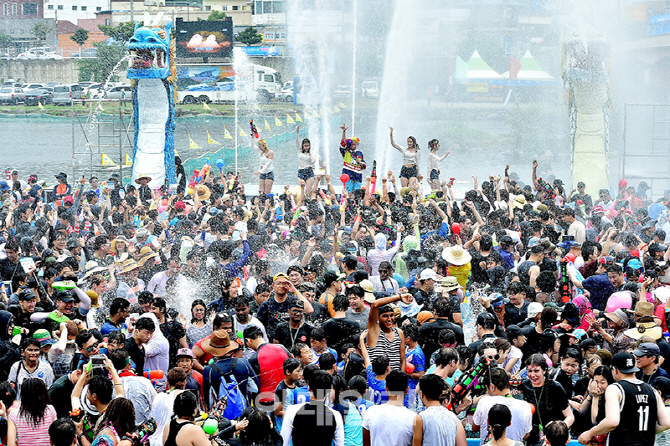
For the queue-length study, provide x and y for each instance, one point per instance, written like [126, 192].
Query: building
[74, 10]
[22, 9]
[22, 33]
[187, 10]
[269, 19]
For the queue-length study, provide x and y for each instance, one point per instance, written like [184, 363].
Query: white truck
[206, 83]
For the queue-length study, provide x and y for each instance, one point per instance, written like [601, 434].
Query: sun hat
[456, 255]
[219, 344]
[129, 265]
[450, 283]
[645, 329]
[369, 289]
[146, 253]
[91, 268]
[142, 177]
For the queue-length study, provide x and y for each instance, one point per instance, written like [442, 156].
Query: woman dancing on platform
[306, 161]
[411, 158]
[266, 171]
[434, 161]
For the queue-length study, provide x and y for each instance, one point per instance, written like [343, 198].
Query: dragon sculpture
[152, 71]
[586, 74]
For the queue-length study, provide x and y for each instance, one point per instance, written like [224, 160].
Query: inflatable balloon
[620, 299]
[220, 163]
[344, 178]
[409, 367]
[570, 257]
[456, 228]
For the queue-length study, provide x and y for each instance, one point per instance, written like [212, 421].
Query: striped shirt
[388, 348]
[29, 435]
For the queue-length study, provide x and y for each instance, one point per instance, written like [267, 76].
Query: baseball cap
[623, 183]
[647, 349]
[624, 362]
[68, 199]
[485, 317]
[607, 260]
[662, 294]
[279, 276]
[514, 331]
[184, 352]
[297, 304]
[44, 337]
[427, 274]
[180, 205]
[65, 296]
[534, 309]
[26, 295]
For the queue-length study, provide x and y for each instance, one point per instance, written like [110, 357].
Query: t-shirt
[268, 363]
[377, 386]
[30, 435]
[271, 313]
[136, 354]
[514, 353]
[109, 327]
[416, 357]
[600, 288]
[18, 373]
[549, 400]
[341, 331]
[288, 336]
[60, 394]
[522, 416]
[361, 318]
[389, 425]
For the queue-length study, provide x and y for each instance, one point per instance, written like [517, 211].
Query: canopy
[478, 69]
[530, 69]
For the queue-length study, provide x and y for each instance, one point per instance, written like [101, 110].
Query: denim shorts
[434, 174]
[352, 185]
[408, 172]
[306, 174]
[267, 176]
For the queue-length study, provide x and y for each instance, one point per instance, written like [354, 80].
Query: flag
[39, 104]
[128, 162]
[297, 117]
[176, 153]
[192, 144]
[267, 126]
[341, 105]
[226, 134]
[307, 115]
[209, 138]
[336, 109]
[277, 122]
[289, 120]
[242, 133]
[107, 161]
[257, 107]
[205, 106]
[100, 107]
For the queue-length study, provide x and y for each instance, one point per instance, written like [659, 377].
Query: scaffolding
[102, 133]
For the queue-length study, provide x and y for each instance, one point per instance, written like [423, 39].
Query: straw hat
[146, 253]
[643, 309]
[203, 192]
[91, 268]
[219, 344]
[369, 289]
[450, 283]
[142, 177]
[456, 255]
[117, 239]
[519, 202]
[645, 329]
[128, 266]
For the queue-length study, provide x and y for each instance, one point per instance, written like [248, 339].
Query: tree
[100, 67]
[121, 32]
[250, 36]
[41, 30]
[5, 40]
[217, 15]
[80, 36]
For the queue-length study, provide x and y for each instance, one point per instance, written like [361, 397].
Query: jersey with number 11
[637, 423]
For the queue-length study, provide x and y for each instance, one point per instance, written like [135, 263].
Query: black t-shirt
[272, 313]
[549, 400]
[60, 393]
[429, 335]
[8, 271]
[514, 315]
[136, 354]
[288, 336]
[173, 332]
[548, 264]
[478, 274]
[340, 331]
[320, 313]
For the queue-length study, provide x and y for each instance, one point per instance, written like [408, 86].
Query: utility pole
[132, 12]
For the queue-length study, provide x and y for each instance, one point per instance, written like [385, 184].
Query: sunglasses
[92, 347]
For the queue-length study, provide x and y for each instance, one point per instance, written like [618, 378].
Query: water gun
[203, 172]
[431, 196]
[76, 415]
[295, 217]
[578, 275]
[210, 421]
[64, 285]
[451, 181]
[140, 434]
[546, 187]
[324, 197]
[192, 182]
[581, 206]
[566, 294]
[154, 375]
[233, 182]
[254, 130]
[468, 381]
[373, 177]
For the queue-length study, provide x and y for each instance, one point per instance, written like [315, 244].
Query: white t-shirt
[514, 353]
[578, 230]
[522, 417]
[389, 425]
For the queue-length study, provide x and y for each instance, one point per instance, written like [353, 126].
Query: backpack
[230, 391]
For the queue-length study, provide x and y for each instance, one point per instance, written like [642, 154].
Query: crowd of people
[381, 315]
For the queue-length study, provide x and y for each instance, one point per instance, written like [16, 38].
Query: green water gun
[64, 285]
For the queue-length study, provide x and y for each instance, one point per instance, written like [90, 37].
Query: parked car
[11, 95]
[86, 53]
[6, 56]
[39, 53]
[342, 91]
[64, 94]
[8, 83]
[91, 91]
[39, 95]
[32, 86]
[286, 95]
[124, 91]
[370, 89]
